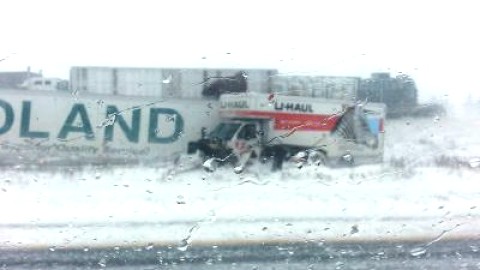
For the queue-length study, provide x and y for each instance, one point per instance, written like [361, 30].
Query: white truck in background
[45, 84]
[279, 128]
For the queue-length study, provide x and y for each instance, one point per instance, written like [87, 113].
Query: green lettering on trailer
[132, 133]
[25, 131]
[9, 116]
[153, 136]
[85, 127]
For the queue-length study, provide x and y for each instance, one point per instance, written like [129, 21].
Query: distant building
[14, 80]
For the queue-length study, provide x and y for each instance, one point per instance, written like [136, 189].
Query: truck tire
[317, 158]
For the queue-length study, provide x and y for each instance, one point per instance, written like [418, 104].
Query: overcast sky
[436, 42]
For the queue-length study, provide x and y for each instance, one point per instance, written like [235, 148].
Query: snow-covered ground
[428, 188]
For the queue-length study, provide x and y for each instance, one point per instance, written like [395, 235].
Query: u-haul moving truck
[297, 128]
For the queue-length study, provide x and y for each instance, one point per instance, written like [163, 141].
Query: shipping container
[190, 82]
[98, 80]
[163, 82]
[330, 87]
[139, 82]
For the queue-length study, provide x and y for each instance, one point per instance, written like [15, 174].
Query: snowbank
[418, 199]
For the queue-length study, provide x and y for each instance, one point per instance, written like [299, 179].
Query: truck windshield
[224, 131]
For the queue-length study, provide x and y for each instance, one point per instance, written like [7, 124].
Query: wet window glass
[239, 134]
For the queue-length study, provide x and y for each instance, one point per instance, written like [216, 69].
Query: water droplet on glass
[474, 162]
[238, 169]
[354, 229]
[271, 99]
[436, 119]
[212, 216]
[210, 165]
[348, 158]
[100, 102]
[167, 80]
[149, 246]
[180, 199]
[110, 120]
[184, 244]
[52, 248]
[418, 251]
[169, 118]
[102, 262]
[75, 94]
[86, 249]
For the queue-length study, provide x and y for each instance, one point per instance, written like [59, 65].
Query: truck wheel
[318, 158]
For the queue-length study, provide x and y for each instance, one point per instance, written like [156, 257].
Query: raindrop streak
[75, 94]
[418, 251]
[110, 120]
[184, 244]
[210, 165]
[187, 241]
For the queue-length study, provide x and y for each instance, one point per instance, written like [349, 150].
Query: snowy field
[428, 189]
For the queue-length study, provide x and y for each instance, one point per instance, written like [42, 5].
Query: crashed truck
[304, 130]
